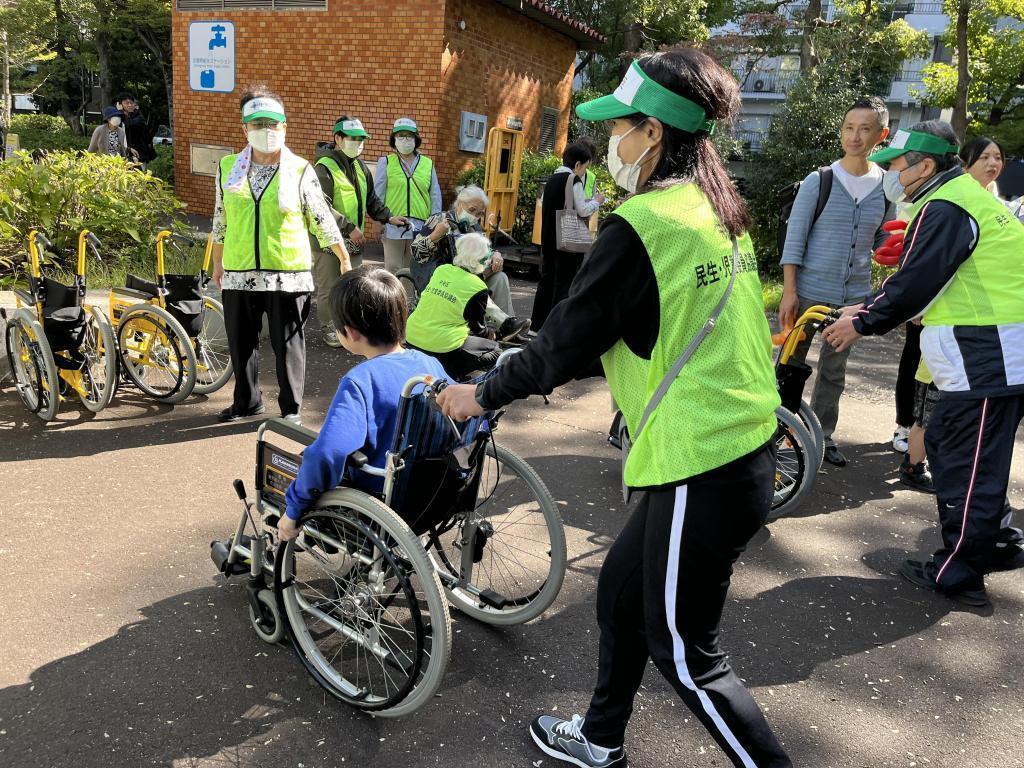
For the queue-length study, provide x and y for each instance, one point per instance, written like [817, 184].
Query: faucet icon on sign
[218, 40]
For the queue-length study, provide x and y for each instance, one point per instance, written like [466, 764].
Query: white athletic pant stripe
[678, 647]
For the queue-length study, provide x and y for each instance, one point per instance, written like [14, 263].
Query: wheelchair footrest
[219, 553]
[492, 599]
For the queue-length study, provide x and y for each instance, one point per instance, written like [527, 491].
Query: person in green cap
[348, 189]
[670, 301]
[268, 203]
[407, 182]
[961, 272]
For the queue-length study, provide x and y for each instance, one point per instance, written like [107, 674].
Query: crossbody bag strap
[702, 334]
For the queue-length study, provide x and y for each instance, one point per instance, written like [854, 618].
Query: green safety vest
[347, 201]
[438, 324]
[271, 239]
[722, 404]
[409, 195]
[588, 184]
[983, 291]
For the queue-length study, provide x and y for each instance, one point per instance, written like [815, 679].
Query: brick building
[449, 64]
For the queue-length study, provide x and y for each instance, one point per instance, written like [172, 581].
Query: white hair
[469, 193]
[472, 253]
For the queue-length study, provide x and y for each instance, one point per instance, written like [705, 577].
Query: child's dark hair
[372, 301]
[577, 152]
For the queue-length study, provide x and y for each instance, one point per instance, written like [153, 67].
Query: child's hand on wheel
[287, 529]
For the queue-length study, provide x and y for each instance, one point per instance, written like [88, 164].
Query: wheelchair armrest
[358, 459]
[25, 296]
[285, 428]
[133, 293]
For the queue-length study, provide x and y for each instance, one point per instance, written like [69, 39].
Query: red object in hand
[888, 255]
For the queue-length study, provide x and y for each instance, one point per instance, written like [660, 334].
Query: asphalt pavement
[121, 647]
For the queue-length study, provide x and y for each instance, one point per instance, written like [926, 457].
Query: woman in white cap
[349, 191]
[407, 183]
[268, 202]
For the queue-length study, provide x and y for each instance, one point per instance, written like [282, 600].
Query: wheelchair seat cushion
[185, 302]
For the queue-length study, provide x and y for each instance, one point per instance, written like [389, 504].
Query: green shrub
[45, 132]
[66, 192]
[163, 165]
[535, 167]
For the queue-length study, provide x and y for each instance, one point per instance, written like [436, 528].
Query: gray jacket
[834, 255]
[98, 143]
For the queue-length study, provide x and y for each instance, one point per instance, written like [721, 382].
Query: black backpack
[787, 195]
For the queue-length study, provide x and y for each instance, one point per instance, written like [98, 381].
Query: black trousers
[557, 270]
[475, 354]
[660, 596]
[243, 319]
[905, 381]
[970, 447]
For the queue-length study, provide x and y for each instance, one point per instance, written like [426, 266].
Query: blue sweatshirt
[363, 417]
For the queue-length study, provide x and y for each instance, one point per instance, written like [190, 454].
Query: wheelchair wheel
[211, 346]
[504, 562]
[32, 365]
[156, 353]
[813, 425]
[364, 606]
[99, 373]
[412, 296]
[793, 475]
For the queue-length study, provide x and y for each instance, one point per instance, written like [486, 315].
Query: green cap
[352, 128]
[263, 107]
[639, 93]
[405, 124]
[913, 141]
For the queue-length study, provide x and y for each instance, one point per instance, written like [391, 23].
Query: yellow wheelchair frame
[86, 365]
[157, 354]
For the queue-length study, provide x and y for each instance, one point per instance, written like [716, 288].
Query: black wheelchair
[360, 594]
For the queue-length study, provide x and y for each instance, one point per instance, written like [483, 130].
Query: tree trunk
[5, 87]
[963, 74]
[808, 55]
[60, 43]
[162, 56]
[104, 54]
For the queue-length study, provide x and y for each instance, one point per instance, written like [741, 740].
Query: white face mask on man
[406, 145]
[266, 140]
[352, 148]
[626, 175]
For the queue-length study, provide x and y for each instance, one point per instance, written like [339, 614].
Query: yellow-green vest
[346, 201]
[409, 195]
[722, 404]
[270, 239]
[983, 291]
[438, 324]
[588, 185]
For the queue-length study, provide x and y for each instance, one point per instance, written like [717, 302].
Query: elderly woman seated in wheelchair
[417, 509]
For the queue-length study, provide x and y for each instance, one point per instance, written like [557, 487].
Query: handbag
[670, 377]
[572, 233]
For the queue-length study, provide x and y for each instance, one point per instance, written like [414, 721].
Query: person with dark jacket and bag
[558, 268]
[348, 189]
[670, 301]
[137, 129]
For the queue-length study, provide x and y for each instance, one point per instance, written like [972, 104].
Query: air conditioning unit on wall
[759, 85]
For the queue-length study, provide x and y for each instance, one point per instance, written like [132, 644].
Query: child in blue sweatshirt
[369, 310]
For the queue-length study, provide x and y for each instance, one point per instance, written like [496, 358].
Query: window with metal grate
[548, 128]
[258, 5]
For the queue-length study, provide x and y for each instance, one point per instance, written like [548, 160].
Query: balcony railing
[909, 76]
[771, 81]
[752, 141]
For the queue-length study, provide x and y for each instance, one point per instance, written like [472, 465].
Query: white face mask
[115, 122]
[893, 187]
[266, 140]
[405, 145]
[467, 218]
[626, 175]
[352, 147]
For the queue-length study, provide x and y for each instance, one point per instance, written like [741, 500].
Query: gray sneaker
[564, 740]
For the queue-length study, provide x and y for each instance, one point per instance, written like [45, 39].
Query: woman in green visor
[670, 301]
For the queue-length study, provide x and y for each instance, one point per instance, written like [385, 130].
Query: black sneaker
[916, 476]
[563, 740]
[834, 456]
[923, 575]
[512, 329]
[1008, 557]
[230, 414]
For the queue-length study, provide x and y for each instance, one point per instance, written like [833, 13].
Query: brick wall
[376, 61]
[502, 65]
[347, 60]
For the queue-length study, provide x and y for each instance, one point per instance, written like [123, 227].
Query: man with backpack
[833, 227]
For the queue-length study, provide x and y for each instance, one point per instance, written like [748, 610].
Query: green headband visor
[913, 141]
[639, 93]
[351, 128]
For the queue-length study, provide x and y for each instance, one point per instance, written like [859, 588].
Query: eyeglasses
[478, 212]
[271, 124]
